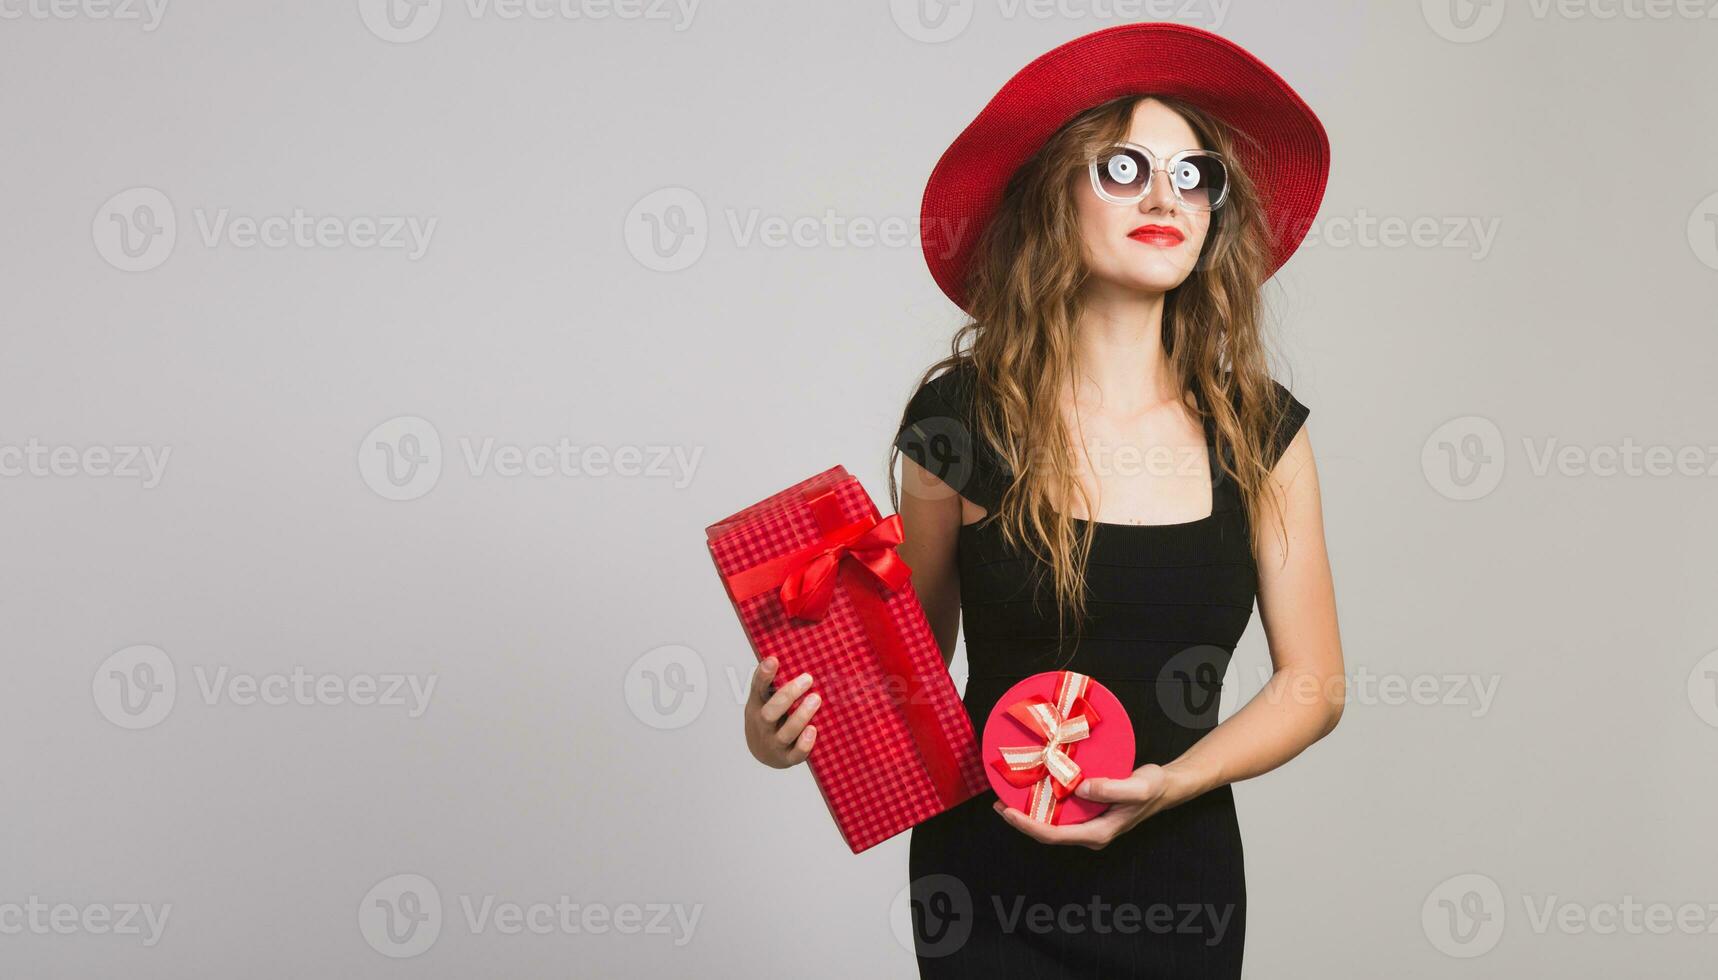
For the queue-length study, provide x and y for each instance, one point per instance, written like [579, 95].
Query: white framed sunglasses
[1122, 174]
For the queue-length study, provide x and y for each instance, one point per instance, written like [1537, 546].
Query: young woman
[1102, 477]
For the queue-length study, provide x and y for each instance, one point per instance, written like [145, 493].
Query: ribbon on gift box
[806, 577]
[860, 556]
[1049, 768]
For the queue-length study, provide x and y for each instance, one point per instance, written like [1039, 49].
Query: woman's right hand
[774, 740]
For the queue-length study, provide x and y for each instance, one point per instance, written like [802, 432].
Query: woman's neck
[1118, 354]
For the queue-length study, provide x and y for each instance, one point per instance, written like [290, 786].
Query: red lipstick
[1161, 235]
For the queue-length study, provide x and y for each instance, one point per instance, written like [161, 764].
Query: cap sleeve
[938, 432]
[1293, 418]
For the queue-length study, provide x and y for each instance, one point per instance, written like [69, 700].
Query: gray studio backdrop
[369, 374]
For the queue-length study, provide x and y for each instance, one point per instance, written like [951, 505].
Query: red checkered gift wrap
[813, 574]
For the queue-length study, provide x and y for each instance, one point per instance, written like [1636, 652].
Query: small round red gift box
[1049, 732]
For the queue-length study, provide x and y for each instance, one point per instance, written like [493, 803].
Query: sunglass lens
[1122, 172]
[1200, 179]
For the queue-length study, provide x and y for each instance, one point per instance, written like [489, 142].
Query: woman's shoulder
[1288, 414]
[950, 392]
[1283, 414]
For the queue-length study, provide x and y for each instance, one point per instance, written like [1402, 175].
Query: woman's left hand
[1131, 801]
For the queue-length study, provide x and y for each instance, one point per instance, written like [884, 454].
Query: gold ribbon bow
[1049, 768]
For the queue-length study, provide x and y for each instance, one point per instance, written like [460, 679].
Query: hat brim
[1288, 159]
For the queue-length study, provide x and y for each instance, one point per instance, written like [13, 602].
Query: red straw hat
[1289, 164]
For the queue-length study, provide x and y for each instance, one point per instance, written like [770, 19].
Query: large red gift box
[817, 583]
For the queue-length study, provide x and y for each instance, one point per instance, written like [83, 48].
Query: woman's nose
[1161, 195]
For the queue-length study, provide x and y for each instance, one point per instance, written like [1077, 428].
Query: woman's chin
[1157, 276]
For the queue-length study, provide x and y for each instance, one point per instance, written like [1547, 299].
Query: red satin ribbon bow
[809, 587]
[807, 577]
[1049, 768]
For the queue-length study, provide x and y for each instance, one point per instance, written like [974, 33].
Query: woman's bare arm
[930, 517]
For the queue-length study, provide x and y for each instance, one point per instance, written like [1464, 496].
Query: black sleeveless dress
[1167, 605]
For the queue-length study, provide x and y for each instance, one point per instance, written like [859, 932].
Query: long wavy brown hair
[1023, 293]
